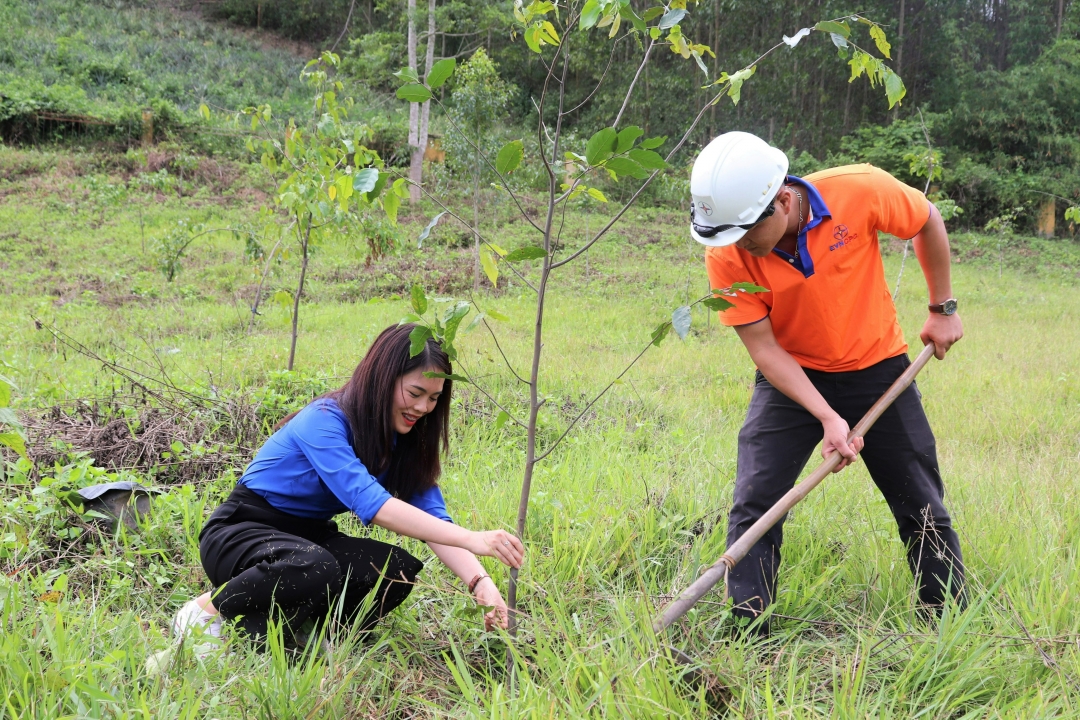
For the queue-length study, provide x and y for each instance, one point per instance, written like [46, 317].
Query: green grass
[624, 514]
[109, 60]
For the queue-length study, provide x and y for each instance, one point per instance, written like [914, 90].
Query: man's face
[760, 240]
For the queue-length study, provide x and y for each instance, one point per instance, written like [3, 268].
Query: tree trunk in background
[900, 40]
[899, 53]
[416, 167]
[1061, 15]
[414, 108]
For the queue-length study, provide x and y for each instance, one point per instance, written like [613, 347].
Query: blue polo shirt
[309, 469]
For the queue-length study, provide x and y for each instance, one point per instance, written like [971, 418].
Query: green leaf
[647, 159]
[838, 40]
[653, 142]
[490, 267]
[626, 166]
[379, 185]
[748, 287]
[501, 419]
[365, 180]
[419, 299]
[597, 195]
[14, 441]
[5, 391]
[883, 45]
[717, 303]
[627, 137]
[680, 320]
[477, 318]
[441, 72]
[831, 26]
[407, 75]
[529, 252]
[414, 93]
[204, 111]
[428, 228]
[653, 13]
[391, 203]
[737, 80]
[626, 12]
[418, 339]
[496, 315]
[445, 376]
[671, 18]
[894, 87]
[590, 14]
[283, 298]
[509, 157]
[601, 146]
[661, 332]
[532, 38]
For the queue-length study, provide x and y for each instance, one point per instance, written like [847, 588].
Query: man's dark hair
[412, 463]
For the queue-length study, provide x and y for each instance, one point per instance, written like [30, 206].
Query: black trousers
[265, 563]
[775, 444]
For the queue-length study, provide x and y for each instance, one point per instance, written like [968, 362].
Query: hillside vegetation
[147, 311]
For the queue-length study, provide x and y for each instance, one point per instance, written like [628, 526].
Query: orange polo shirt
[830, 307]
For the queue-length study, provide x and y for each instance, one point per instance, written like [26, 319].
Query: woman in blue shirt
[372, 447]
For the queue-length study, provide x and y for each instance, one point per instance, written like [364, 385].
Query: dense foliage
[997, 82]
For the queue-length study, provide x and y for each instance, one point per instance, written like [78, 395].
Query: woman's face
[414, 397]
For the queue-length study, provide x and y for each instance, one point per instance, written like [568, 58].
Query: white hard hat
[734, 180]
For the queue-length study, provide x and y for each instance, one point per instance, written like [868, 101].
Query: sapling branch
[485, 393]
[469, 227]
[495, 338]
[600, 82]
[611, 223]
[633, 83]
[483, 156]
[305, 238]
[262, 281]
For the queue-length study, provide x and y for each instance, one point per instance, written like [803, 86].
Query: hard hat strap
[708, 231]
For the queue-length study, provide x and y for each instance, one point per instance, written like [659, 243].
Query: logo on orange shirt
[840, 234]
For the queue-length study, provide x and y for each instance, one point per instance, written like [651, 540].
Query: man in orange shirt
[826, 343]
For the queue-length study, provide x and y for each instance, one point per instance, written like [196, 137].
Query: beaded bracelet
[476, 581]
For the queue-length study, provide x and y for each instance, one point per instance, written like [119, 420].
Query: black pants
[266, 563]
[775, 444]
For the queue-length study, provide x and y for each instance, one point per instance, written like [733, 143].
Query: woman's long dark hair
[367, 400]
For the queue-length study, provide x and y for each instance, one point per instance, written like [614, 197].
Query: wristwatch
[947, 307]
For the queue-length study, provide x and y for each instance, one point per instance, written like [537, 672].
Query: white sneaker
[192, 616]
[192, 620]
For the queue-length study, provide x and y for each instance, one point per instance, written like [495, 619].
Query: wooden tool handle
[718, 570]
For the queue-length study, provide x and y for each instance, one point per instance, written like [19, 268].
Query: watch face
[948, 307]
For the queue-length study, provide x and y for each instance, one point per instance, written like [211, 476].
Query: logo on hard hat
[705, 208]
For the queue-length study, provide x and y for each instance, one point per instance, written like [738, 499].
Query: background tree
[477, 104]
[327, 177]
[619, 149]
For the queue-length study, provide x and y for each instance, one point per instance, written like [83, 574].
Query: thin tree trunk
[299, 292]
[900, 38]
[414, 109]
[416, 168]
[476, 226]
[538, 345]
[1061, 16]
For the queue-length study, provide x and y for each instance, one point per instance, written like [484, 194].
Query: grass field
[624, 514]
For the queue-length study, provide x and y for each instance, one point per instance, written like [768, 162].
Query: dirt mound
[169, 444]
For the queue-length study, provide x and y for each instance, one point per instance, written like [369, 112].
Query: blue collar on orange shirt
[803, 262]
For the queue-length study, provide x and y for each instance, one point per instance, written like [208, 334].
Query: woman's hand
[486, 593]
[498, 544]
